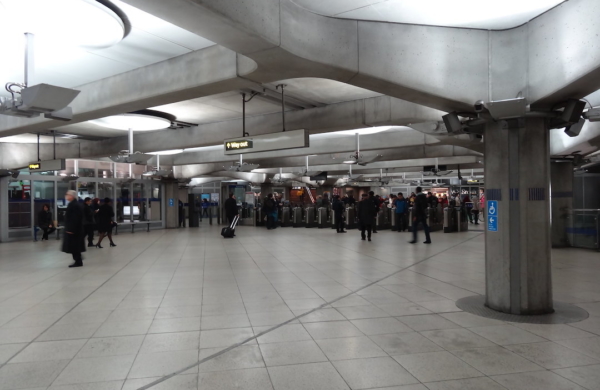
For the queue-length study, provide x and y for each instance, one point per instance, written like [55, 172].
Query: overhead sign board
[267, 142]
[492, 215]
[49, 165]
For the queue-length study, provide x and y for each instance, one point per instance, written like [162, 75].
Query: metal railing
[583, 228]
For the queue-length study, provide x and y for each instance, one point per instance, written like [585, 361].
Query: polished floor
[182, 309]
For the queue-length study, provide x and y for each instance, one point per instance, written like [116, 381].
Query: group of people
[80, 222]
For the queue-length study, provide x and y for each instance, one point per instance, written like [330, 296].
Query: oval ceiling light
[142, 120]
[166, 152]
[90, 24]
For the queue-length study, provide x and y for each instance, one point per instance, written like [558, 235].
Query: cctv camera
[479, 106]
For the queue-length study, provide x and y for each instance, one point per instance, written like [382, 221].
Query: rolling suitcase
[228, 232]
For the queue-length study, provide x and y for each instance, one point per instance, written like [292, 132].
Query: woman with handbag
[105, 222]
[45, 221]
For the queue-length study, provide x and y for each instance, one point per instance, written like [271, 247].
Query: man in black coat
[420, 216]
[338, 208]
[231, 208]
[366, 215]
[74, 239]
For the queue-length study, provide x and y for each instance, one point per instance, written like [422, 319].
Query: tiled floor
[160, 302]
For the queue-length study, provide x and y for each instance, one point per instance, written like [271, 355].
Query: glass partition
[123, 202]
[584, 229]
[154, 209]
[19, 204]
[86, 168]
[105, 169]
[61, 203]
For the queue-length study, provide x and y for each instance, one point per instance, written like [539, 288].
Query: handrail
[596, 210]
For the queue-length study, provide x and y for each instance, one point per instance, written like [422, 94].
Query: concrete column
[517, 255]
[561, 200]
[265, 189]
[172, 205]
[4, 209]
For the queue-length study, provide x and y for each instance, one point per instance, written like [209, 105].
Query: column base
[563, 313]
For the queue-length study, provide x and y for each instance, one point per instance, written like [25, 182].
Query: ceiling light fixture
[166, 152]
[367, 130]
[90, 24]
[142, 120]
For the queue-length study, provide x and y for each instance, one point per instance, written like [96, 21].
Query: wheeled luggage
[228, 232]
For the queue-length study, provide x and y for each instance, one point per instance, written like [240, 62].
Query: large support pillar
[172, 206]
[561, 199]
[517, 253]
[265, 189]
[4, 209]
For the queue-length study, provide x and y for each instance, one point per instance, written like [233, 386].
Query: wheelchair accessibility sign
[492, 215]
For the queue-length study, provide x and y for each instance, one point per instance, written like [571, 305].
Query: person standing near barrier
[45, 221]
[231, 209]
[74, 239]
[420, 216]
[88, 221]
[376, 203]
[270, 210]
[475, 209]
[205, 206]
[401, 208]
[338, 208]
[366, 216]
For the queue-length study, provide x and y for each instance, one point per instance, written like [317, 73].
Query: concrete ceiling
[151, 40]
[487, 14]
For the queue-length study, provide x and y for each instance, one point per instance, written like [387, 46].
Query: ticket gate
[285, 217]
[322, 218]
[351, 218]
[462, 220]
[259, 220]
[297, 220]
[435, 218]
[310, 219]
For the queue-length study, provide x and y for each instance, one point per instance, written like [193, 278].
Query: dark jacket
[73, 241]
[269, 206]
[338, 207]
[88, 215]
[104, 218]
[231, 208]
[367, 210]
[45, 219]
[420, 207]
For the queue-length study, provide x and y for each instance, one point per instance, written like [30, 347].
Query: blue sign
[492, 215]
[171, 202]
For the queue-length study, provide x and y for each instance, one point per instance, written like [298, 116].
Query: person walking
[401, 205]
[338, 208]
[475, 210]
[205, 206]
[105, 222]
[45, 221]
[74, 239]
[88, 221]
[420, 216]
[231, 209]
[270, 210]
[366, 216]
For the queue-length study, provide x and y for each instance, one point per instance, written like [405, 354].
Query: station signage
[238, 145]
[492, 215]
[267, 142]
[49, 165]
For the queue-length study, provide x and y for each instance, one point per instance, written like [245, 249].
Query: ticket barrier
[259, 220]
[285, 217]
[297, 220]
[435, 218]
[310, 219]
[248, 217]
[381, 220]
[322, 218]
[351, 218]
[393, 220]
[449, 219]
[462, 223]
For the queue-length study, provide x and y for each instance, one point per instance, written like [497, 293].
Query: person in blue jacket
[401, 207]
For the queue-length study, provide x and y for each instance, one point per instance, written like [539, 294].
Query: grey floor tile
[168, 325]
[506, 334]
[441, 306]
[496, 361]
[537, 380]
[225, 322]
[436, 366]
[84, 317]
[49, 350]
[374, 326]
[111, 346]
[427, 322]
[365, 311]
[555, 331]
[7, 351]
[322, 315]
[404, 309]
[468, 320]
[405, 343]
[587, 376]
[591, 325]
[290, 332]
[245, 356]
[161, 342]
[307, 377]
[115, 328]
[455, 339]
[178, 382]
[249, 379]
[551, 355]
[466, 384]
[374, 372]
[270, 318]
[111, 385]
[178, 312]
[163, 363]
[294, 352]
[69, 332]
[224, 337]
[20, 335]
[332, 329]
[31, 374]
[350, 348]
[99, 369]
[589, 346]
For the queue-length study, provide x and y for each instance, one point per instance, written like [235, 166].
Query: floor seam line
[275, 327]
